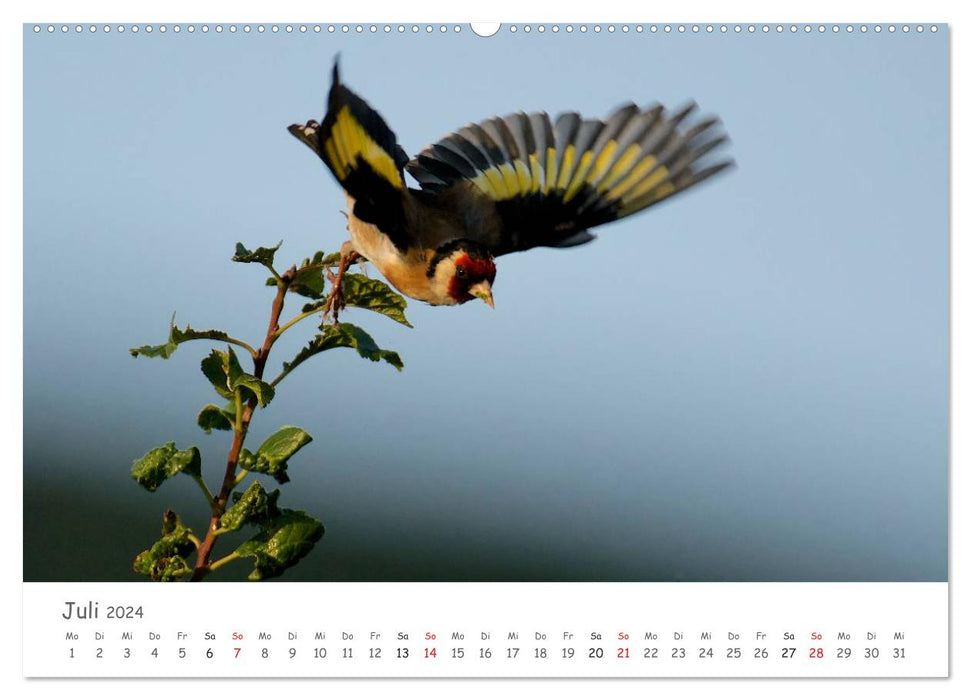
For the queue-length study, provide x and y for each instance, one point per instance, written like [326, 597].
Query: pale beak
[483, 290]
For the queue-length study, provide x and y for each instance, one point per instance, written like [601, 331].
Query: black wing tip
[699, 176]
[683, 111]
[336, 88]
[336, 70]
[729, 164]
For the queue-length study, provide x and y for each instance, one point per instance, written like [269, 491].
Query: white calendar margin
[365, 616]
[508, 10]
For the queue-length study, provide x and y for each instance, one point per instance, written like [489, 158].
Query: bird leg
[335, 300]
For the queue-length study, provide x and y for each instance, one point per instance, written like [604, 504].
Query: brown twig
[204, 551]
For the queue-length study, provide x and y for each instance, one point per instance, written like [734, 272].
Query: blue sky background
[748, 382]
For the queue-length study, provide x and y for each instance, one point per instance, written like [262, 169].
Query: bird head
[463, 270]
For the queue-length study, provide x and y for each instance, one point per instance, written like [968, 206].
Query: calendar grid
[488, 630]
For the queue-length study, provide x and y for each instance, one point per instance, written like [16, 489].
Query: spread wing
[551, 181]
[363, 154]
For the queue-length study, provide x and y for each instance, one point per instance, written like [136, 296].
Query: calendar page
[514, 350]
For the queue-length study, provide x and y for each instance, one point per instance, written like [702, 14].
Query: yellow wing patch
[348, 143]
[627, 178]
[630, 205]
[550, 179]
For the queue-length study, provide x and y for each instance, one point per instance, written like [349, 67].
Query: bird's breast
[406, 271]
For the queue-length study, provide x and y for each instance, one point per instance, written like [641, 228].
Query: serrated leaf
[344, 335]
[261, 255]
[214, 418]
[281, 543]
[253, 507]
[271, 457]
[316, 259]
[165, 462]
[176, 338]
[165, 560]
[367, 293]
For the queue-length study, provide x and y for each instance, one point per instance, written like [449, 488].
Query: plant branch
[243, 416]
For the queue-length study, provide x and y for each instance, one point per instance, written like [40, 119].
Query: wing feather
[551, 180]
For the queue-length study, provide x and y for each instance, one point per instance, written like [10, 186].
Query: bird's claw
[335, 300]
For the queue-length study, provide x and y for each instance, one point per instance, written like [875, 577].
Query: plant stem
[238, 423]
[274, 272]
[232, 556]
[246, 346]
[300, 317]
[205, 489]
[204, 554]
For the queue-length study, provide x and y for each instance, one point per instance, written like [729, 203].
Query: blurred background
[748, 382]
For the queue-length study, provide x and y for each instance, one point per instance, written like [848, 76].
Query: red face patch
[469, 271]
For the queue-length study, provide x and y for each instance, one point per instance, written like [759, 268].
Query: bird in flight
[498, 186]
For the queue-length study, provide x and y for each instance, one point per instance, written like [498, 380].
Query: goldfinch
[498, 186]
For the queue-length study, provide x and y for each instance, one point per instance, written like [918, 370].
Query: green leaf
[263, 391]
[214, 418]
[366, 293]
[165, 560]
[246, 459]
[309, 278]
[271, 457]
[345, 335]
[223, 370]
[220, 369]
[253, 507]
[176, 338]
[264, 256]
[281, 543]
[309, 282]
[313, 306]
[165, 462]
